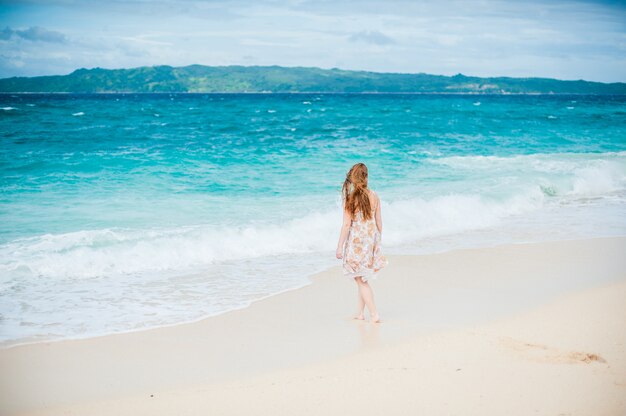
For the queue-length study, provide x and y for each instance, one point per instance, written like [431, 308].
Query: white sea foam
[80, 113]
[415, 219]
[598, 179]
[9, 108]
[571, 175]
[114, 252]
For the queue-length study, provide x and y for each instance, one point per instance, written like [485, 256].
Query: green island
[278, 79]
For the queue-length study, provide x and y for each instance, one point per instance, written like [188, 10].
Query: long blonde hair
[354, 192]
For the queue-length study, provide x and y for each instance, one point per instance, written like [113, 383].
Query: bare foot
[375, 319]
[360, 317]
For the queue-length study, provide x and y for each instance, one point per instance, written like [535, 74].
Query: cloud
[6, 34]
[374, 37]
[556, 38]
[34, 34]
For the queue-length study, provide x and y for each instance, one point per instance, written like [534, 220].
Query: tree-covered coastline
[277, 79]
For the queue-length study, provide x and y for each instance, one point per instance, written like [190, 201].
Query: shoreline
[8, 345]
[310, 328]
[193, 321]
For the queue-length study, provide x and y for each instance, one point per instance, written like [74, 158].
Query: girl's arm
[347, 221]
[378, 215]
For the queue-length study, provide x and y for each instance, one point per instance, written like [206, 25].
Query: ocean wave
[116, 251]
[415, 219]
[599, 179]
[493, 189]
[110, 252]
[574, 175]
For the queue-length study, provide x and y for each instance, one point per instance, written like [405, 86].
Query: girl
[359, 241]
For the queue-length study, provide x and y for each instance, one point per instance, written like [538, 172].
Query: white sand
[533, 329]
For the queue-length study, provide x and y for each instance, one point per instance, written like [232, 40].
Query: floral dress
[362, 254]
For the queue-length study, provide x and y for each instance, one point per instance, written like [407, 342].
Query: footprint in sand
[546, 354]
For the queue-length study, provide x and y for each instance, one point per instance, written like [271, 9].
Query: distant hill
[199, 78]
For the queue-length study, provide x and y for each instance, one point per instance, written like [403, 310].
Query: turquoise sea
[122, 212]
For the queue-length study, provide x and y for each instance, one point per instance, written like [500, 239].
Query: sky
[517, 38]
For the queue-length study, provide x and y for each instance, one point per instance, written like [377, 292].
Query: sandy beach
[518, 329]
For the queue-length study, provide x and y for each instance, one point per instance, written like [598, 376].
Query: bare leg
[361, 305]
[368, 297]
